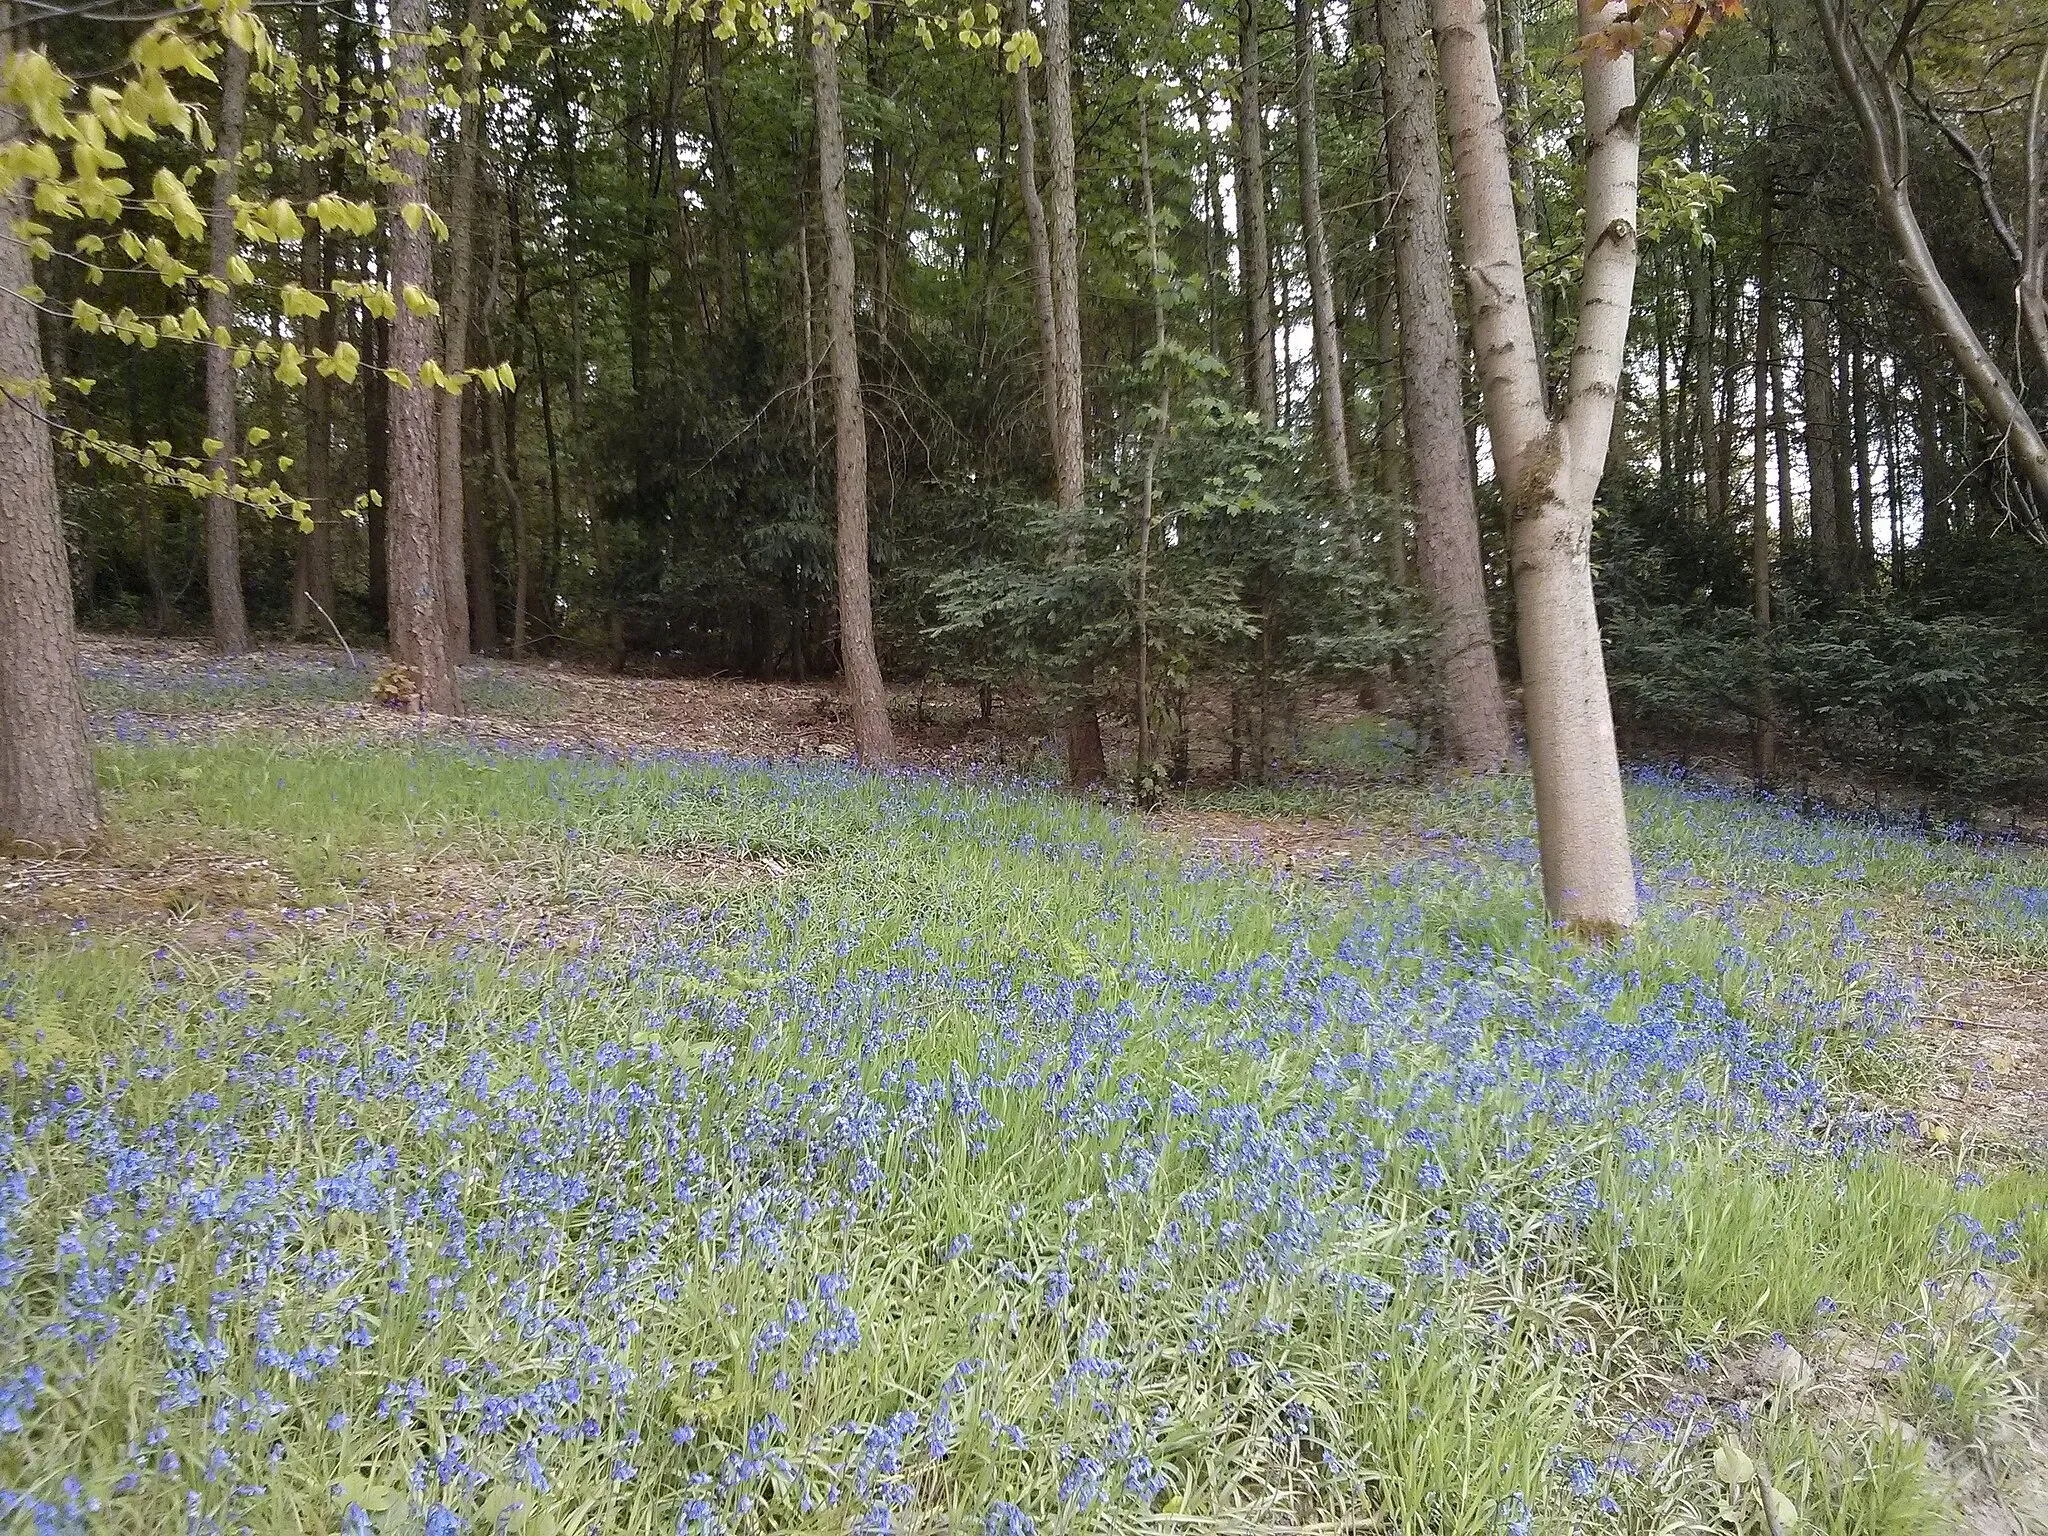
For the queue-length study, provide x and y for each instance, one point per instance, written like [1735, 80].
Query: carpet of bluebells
[989, 1171]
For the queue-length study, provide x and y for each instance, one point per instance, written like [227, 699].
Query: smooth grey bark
[223, 535]
[1550, 465]
[1470, 702]
[1876, 101]
[874, 742]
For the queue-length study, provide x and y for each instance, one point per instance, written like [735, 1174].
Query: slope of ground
[419, 1131]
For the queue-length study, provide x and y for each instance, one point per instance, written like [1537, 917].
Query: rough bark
[862, 671]
[455, 348]
[1315, 241]
[420, 593]
[1549, 467]
[1764, 736]
[48, 798]
[1817, 390]
[1037, 236]
[1875, 99]
[1085, 763]
[1473, 711]
[223, 537]
[1262, 381]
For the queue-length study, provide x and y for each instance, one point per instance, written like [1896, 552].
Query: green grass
[1369, 1201]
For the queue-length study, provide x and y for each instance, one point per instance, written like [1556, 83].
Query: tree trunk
[1880, 113]
[420, 592]
[1262, 383]
[1069, 443]
[455, 345]
[1817, 374]
[1475, 720]
[1155, 280]
[48, 798]
[1038, 239]
[1764, 736]
[1514, 62]
[223, 541]
[866, 700]
[1865, 571]
[1550, 467]
[1315, 241]
[313, 586]
[377, 465]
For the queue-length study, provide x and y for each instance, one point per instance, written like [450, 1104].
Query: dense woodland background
[635, 230]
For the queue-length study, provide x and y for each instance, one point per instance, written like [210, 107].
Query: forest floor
[942, 1151]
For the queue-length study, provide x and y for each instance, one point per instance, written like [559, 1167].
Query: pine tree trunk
[1764, 736]
[866, 700]
[419, 587]
[1474, 713]
[48, 798]
[455, 349]
[223, 539]
[1262, 383]
[1550, 467]
[1315, 240]
[1817, 376]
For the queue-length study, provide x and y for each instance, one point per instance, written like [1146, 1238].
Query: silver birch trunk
[1549, 466]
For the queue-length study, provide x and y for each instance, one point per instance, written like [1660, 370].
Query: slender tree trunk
[48, 798]
[1038, 239]
[1316, 247]
[1514, 63]
[1817, 374]
[1875, 99]
[1550, 467]
[1474, 713]
[1155, 280]
[1764, 737]
[1085, 763]
[1706, 423]
[1865, 573]
[455, 346]
[420, 590]
[1389, 412]
[223, 539]
[377, 464]
[1262, 382]
[866, 700]
[313, 586]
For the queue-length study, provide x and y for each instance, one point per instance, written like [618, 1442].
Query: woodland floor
[1983, 1010]
[1949, 934]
